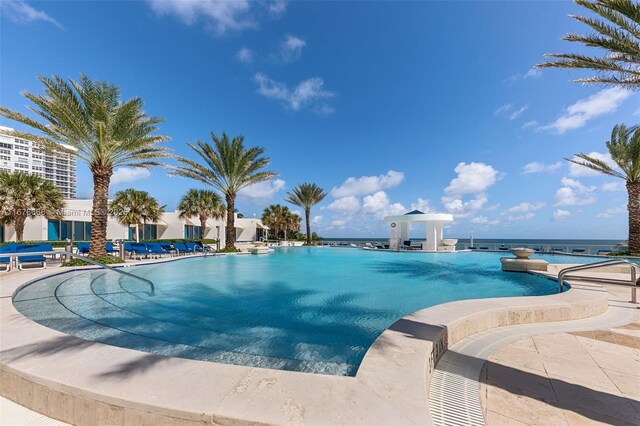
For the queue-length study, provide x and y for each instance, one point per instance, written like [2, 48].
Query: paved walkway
[586, 377]
[535, 375]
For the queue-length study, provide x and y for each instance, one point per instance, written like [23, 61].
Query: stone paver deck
[587, 377]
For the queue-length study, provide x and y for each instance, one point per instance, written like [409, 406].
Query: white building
[19, 155]
[76, 225]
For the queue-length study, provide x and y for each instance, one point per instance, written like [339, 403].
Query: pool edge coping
[391, 383]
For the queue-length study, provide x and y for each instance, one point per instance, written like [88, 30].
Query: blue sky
[389, 106]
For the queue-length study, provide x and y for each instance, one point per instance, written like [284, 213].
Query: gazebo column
[393, 237]
[404, 231]
[438, 234]
[432, 237]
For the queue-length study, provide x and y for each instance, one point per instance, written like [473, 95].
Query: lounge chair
[37, 258]
[200, 246]
[138, 249]
[157, 249]
[406, 245]
[472, 248]
[484, 248]
[193, 247]
[169, 248]
[83, 248]
[578, 250]
[5, 262]
[110, 249]
[182, 247]
[603, 252]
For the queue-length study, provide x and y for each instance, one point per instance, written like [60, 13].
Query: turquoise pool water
[305, 309]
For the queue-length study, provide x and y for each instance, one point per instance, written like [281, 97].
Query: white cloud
[609, 213]
[21, 13]
[367, 184]
[291, 48]
[218, 16]
[515, 114]
[576, 170]
[306, 93]
[316, 220]
[614, 186]
[510, 111]
[245, 55]
[637, 113]
[482, 220]
[522, 211]
[560, 215]
[504, 108]
[421, 205]
[349, 204]
[525, 207]
[538, 167]
[577, 115]
[262, 191]
[532, 73]
[129, 174]
[339, 223]
[380, 206]
[473, 178]
[276, 7]
[532, 123]
[574, 193]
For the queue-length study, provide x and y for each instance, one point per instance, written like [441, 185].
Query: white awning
[261, 226]
[239, 227]
[162, 223]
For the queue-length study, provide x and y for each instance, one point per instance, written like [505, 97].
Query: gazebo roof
[418, 216]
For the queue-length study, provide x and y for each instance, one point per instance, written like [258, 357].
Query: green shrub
[228, 250]
[77, 261]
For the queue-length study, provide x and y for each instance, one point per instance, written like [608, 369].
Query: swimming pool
[315, 310]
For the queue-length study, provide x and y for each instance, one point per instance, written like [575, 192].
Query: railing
[632, 266]
[580, 249]
[86, 259]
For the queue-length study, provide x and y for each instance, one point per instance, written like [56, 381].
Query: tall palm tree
[618, 35]
[133, 207]
[102, 130]
[624, 148]
[202, 203]
[25, 196]
[228, 166]
[306, 195]
[272, 217]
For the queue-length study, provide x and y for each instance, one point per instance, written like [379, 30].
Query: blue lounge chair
[83, 248]
[110, 249]
[157, 249]
[484, 248]
[136, 249]
[183, 248]
[472, 248]
[202, 247]
[5, 261]
[193, 247]
[37, 258]
[578, 250]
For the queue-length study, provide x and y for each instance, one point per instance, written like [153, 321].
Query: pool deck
[82, 382]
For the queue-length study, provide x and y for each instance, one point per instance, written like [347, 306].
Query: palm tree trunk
[203, 225]
[307, 214]
[99, 215]
[231, 226]
[633, 188]
[19, 225]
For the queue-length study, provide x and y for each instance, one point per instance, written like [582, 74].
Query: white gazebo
[399, 230]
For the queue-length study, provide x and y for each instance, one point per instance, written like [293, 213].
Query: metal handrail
[632, 267]
[86, 259]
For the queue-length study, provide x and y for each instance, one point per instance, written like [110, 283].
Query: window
[150, 232]
[191, 232]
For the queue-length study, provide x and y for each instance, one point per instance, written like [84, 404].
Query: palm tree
[133, 207]
[229, 167]
[618, 35]
[272, 217]
[624, 148]
[202, 203]
[101, 129]
[23, 195]
[306, 195]
[290, 222]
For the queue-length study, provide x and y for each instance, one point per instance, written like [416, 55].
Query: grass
[107, 260]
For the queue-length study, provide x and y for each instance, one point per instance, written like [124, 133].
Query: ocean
[568, 246]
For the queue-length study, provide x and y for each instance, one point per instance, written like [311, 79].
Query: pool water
[316, 310]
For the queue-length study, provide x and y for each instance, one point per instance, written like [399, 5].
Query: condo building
[20, 155]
